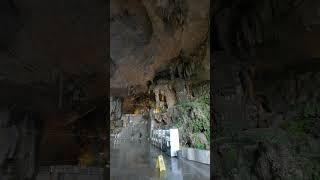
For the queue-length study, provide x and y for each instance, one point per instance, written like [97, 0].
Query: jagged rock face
[147, 35]
[181, 89]
[269, 106]
[115, 108]
[161, 44]
[265, 28]
[165, 95]
[264, 99]
[139, 103]
[183, 104]
[265, 77]
[135, 127]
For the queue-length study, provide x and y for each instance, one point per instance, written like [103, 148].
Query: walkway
[136, 161]
[66, 172]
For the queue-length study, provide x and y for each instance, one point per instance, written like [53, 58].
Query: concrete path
[137, 161]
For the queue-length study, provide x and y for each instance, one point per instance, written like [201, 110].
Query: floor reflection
[137, 161]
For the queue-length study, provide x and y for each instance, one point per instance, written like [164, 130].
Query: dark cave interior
[265, 89]
[52, 77]
[264, 84]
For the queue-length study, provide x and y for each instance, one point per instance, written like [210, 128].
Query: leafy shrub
[306, 121]
[194, 118]
[197, 143]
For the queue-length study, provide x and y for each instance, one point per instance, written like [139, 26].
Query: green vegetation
[312, 169]
[197, 143]
[306, 121]
[194, 118]
[231, 156]
[303, 128]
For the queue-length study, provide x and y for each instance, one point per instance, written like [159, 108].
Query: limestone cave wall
[265, 90]
[182, 98]
[267, 123]
[115, 113]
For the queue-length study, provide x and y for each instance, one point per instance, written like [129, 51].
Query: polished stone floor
[137, 161]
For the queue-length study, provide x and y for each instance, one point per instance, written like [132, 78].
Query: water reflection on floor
[137, 161]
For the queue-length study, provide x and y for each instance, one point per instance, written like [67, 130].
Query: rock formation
[156, 33]
[52, 76]
[115, 113]
[161, 59]
[265, 90]
[182, 98]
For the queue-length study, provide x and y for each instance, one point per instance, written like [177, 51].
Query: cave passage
[137, 160]
[159, 82]
[54, 120]
[134, 154]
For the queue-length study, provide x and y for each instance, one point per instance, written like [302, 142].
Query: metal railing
[166, 140]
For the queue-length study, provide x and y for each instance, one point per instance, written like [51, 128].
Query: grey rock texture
[52, 65]
[115, 113]
[161, 57]
[265, 90]
[155, 33]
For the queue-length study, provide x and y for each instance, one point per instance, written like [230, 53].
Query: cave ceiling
[41, 40]
[146, 35]
[270, 33]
